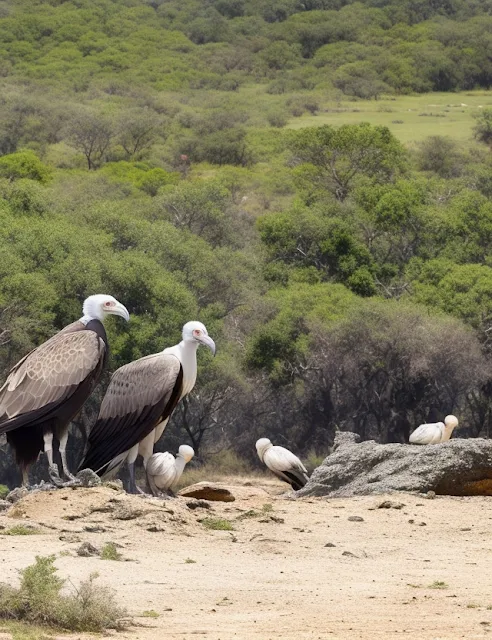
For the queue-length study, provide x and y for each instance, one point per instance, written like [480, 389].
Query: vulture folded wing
[139, 395]
[286, 466]
[48, 376]
[163, 467]
[426, 433]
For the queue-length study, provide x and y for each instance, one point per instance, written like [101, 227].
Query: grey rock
[87, 550]
[458, 467]
[198, 504]
[4, 505]
[390, 504]
[17, 494]
[88, 478]
[355, 519]
[330, 544]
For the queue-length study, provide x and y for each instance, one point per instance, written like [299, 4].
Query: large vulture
[164, 471]
[434, 432]
[139, 402]
[283, 463]
[47, 388]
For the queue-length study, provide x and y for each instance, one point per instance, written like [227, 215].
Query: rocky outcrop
[457, 467]
[207, 491]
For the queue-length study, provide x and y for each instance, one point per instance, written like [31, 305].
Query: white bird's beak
[120, 310]
[208, 342]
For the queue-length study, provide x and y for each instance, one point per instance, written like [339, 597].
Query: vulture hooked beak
[208, 342]
[120, 310]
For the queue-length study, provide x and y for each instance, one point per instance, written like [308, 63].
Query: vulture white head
[262, 445]
[186, 452]
[99, 306]
[196, 332]
[451, 422]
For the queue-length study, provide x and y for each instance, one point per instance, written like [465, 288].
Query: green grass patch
[110, 552]
[20, 530]
[409, 118]
[24, 631]
[437, 584]
[4, 491]
[217, 524]
[267, 507]
[248, 514]
[190, 561]
[39, 601]
[150, 614]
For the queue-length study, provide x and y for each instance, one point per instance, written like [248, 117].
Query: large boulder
[457, 467]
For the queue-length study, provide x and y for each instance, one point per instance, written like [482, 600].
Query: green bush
[38, 600]
[24, 164]
[4, 491]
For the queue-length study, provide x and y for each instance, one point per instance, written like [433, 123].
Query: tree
[333, 159]
[138, 130]
[91, 134]
[483, 127]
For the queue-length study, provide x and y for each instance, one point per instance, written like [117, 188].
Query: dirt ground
[296, 569]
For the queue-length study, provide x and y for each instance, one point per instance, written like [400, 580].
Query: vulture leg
[132, 456]
[25, 477]
[53, 469]
[146, 449]
[153, 487]
[72, 480]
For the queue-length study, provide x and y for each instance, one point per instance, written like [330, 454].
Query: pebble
[355, 519]
[330, 544]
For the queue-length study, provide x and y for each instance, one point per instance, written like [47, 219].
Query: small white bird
[283, 463]
[163, 471]
[434, 432]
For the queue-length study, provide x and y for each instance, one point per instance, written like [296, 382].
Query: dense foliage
[346, 279]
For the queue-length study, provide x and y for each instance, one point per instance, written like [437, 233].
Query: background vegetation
[278, 170]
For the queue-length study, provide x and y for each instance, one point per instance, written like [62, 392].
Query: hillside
[310, 180]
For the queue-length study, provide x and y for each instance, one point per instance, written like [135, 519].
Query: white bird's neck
[185, 352]
[447, 432]
[85, 319]
[179, 466]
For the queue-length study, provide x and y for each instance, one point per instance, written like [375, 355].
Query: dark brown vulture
[139, 402]
[47, 388]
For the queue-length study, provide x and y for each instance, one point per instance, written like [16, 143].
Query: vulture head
[186, 452]
[261, 447]
[101, 305]
[451, 422]
[197, 332]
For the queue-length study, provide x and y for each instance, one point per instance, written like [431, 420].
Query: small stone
[349, 554]
[411, 521]
[127, 512]
[422, 524]
[88, 478]
[390, 504]
[355, 519]
[198, 504]
[94, 528]
[116, 485]
[330, 544]
[155, 528]
[207, 491]
[430, 495]
[4, 505]
[86, 550]
[69, 537]
[465, 529]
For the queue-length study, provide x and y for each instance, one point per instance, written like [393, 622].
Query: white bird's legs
[52, 467]
[146, 449]
[132, 456]
[25, 477]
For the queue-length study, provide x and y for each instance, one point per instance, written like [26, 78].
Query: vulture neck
[185, 352]
[179, 466]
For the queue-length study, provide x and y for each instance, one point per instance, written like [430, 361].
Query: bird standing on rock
[163, 471]
[47, 388]
[139, 402]
[434, 432]
[283, 463]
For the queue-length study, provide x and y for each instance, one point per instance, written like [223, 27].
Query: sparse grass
[4, 491]
[437, 584]
[190, 561]
[217, 524]
[150, 614]
[248, 514]
[38, 601]
[472, 605]
[224, 463]
[313, 460]
[23, 631]
[110, 552]
[267, 507]
[20, 530]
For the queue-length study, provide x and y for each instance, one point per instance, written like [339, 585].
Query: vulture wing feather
[47, 376]
[139, 396]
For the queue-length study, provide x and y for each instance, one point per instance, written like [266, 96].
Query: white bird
[283, 463]
[434, 432]
[163, 471]
[139, 401]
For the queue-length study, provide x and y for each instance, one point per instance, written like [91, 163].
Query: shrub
[24, 164]
[110, 552]
[4, 491]
[38, 600]
[217, 524]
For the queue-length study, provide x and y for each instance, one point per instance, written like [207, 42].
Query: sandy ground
[273, 576]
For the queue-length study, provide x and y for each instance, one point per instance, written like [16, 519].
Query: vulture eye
[197, 332]
[109, 304]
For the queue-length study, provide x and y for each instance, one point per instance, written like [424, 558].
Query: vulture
[47, 388]
[139, 401]
[163, 471]
[434, 432]
[283, 463]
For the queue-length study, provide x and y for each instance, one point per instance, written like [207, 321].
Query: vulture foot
[55, 476]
